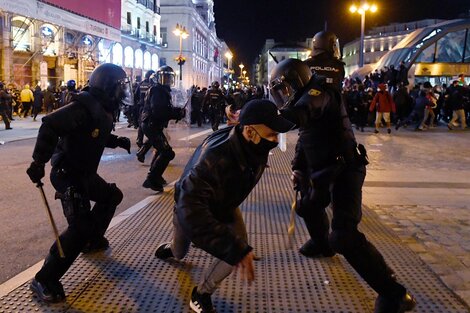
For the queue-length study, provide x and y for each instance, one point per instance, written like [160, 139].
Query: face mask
[263, 146]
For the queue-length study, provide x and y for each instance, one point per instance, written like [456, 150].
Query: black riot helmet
[288, 77]
[71, 85]
[215, 85]
[326, 41]
[110, 82]
[149, 74]
[165, 76]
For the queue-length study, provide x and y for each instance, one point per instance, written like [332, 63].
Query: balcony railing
[150, 4]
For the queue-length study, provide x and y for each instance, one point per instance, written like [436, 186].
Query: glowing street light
[181, 32]
[362, 9]
[241, 66]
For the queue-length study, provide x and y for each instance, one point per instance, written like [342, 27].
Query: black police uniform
[158, 111]
[75, 137]
[326, 65]
[213, 103]
[334, 171]
[139, 98]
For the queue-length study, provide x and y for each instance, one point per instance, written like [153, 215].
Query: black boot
[313, 250]
[394, 304]
[98, 245]
[48, 291]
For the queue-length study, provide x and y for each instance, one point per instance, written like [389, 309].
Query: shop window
[104, 53]
[427, 55]
[128, 57]
[21, 33]
[450, 47]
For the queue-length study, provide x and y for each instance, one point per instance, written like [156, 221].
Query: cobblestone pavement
[439, 235]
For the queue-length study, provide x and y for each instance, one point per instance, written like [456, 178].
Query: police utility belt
[327, 174]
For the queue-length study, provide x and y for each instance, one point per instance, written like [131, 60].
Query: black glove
[36, 171]
[125, 143]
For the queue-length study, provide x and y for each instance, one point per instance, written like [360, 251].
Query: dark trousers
[5, 118]
[345, 238]
[36, 111]
[164, 153]
[26, 108]
[84, 224]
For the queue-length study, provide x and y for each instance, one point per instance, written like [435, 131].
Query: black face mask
[263, 147]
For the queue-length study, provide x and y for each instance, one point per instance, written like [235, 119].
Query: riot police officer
[214, 105]
[325, 59]
[139, 100]
[158, 111]
[70, 91]
[74, 138]
[329, 167]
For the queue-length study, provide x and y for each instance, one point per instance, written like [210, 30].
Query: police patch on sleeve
[95, 133]
[314, 92]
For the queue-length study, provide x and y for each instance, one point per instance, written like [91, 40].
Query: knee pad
[346, 240]
[116, 195]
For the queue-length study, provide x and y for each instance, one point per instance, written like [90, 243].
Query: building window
[450, 47]
[147, 27]
[155, 30]
[155, 64]
[21, 33]
[164, 34]
[139, 58]
[427, 55]
[117, 54]
[138, 23]
[467, 48]
[128, 57]
[129, 18]
[147, 61]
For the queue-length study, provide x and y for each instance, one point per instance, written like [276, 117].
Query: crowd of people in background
[383, 98]
[16, 103]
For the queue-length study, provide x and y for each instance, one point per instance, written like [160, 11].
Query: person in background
[38, 102]
[384, 105]
[26, 98]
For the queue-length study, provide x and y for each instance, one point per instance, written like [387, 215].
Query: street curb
[29, 273]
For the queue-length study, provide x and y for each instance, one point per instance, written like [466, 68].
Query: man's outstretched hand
[246, 268]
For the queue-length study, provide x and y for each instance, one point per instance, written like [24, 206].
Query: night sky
[246, 24]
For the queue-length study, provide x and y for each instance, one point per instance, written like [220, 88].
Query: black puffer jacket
[76, 135]
[217, 179]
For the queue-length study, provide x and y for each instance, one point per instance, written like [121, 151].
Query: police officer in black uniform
[329, 167]
[158, 111]
[74, 138]
[139, 100]
[325, 59]
[214, 104]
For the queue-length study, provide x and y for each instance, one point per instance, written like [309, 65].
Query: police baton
[51, 218]
[291, 228]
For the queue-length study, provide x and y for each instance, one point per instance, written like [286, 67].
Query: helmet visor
[125, 92]
[336, 50]
[166, 78]
[281, 92]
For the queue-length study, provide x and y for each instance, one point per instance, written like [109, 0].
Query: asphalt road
[25, 232]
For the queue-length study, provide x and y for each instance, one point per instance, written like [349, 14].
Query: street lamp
[241, 66]
[361, 9]
[229, 57]
[181, 32]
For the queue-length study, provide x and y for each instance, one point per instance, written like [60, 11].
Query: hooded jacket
[217, 179]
